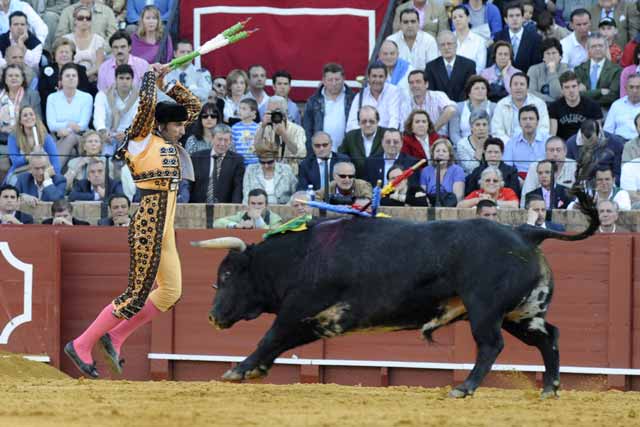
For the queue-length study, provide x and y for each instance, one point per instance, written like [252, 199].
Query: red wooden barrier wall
[79, 270]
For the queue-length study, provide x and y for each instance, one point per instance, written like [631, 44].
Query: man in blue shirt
[526, 146]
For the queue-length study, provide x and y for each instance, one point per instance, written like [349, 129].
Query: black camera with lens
[339, 199]
[277, 117]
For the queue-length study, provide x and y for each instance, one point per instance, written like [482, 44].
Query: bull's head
[236, 297]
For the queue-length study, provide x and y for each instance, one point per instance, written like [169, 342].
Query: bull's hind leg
[545, 338]
[486, 332]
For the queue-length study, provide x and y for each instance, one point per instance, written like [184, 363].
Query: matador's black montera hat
[170, 112]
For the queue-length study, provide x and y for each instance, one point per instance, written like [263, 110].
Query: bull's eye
[226, 275]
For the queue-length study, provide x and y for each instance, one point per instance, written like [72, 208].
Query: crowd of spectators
[500, 98]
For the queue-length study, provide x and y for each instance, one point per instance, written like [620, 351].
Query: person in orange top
[419, 135]
[491, 188]
[157, 163]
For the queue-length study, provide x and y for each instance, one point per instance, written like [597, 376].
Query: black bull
[351, 274]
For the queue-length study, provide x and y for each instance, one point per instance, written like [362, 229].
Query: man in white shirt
[379, 94]
[574, 46]
[115, 108]
[606, 190]
[257, 78]
[630, 180]
[415, 46]
[398, 69]
[621, 117]
[197, 80]
[328, 108]
[505, 122]
[436, 103]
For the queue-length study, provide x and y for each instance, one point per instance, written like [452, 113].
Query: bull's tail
[588, 207]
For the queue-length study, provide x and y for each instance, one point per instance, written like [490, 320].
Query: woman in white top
[237, 85]
[469, 150]
[470, 45]
[275, 178]
[89, 45]
[476, 91]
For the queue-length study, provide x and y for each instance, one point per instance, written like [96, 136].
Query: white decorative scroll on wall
[25, 316]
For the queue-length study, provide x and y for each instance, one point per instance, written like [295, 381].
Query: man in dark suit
[599, 78]
[526, 41]
[62, 214]
[449, 73]
[218, 172]
[93, 188]
[9, 203]
[537, 214]
[119, 206]
[311, 170]
[41, 183]
[556, 199]
[365, 142]
[377, 167]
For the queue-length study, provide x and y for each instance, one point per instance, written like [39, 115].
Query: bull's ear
[221, 243]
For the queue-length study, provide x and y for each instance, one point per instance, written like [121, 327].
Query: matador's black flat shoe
[85, 368]
[110, 354]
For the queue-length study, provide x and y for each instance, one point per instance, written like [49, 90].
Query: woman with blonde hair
[450, 175]
[30, 134]
[237, 85]
[89, 45]
[151, 41]
[90, 148]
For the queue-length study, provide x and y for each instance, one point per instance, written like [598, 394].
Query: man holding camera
[345, 187]
[281, 135]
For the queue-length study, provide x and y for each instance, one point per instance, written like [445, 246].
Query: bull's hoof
[459, 393]
[255, 374]
[549, 394]
[232, 375]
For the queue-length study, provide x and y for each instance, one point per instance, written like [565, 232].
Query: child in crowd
[243, 133]
[528, 14]
[608, 29]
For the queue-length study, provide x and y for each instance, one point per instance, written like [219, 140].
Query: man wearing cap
[157, 162]
[609, 30]
[625, 14]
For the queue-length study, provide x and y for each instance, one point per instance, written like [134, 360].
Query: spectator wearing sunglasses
[201, 137]
[274, 177]
[491, 188]
[345, 189]
[312, 169]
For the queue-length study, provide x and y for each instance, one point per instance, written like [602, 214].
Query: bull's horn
[221, 243]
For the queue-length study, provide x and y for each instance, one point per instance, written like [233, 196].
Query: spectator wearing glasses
[491, 188]
[311, 170]
[275, 178]
[364, 142]
[202, 130]
[197, 80]
[103, 20]
[89, 45]
[345, 188]
[377, 167]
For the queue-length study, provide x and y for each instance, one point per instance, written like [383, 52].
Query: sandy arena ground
[35, 394]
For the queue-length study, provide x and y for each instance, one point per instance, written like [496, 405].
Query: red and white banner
[295, 35]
